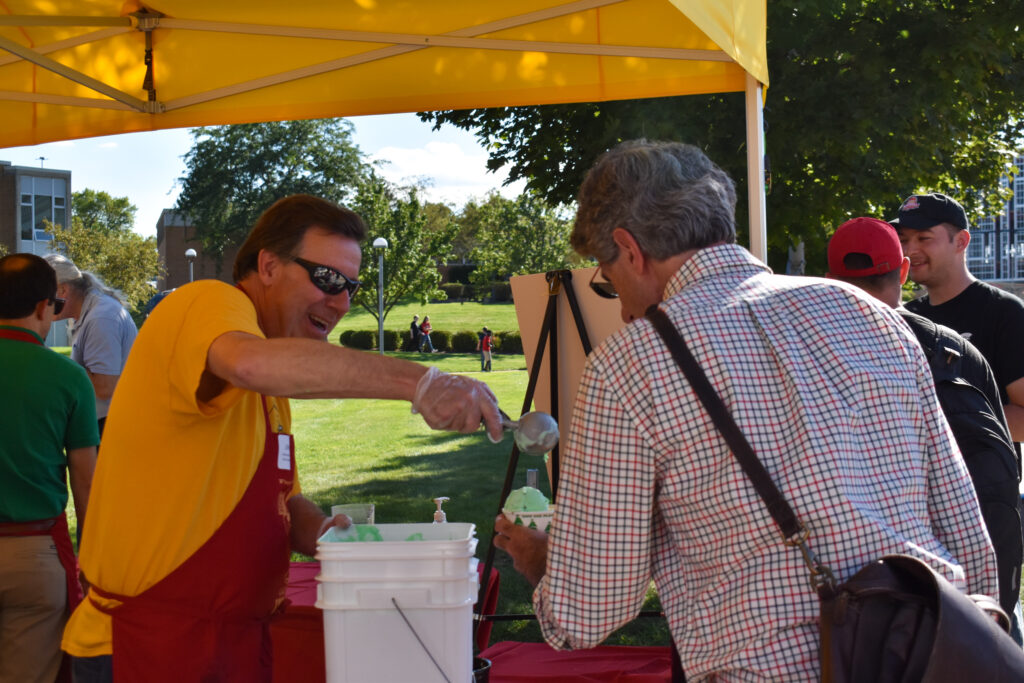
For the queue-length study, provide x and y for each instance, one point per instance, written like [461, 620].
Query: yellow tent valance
[72, 69]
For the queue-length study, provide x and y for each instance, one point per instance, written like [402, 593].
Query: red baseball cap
[869, 236]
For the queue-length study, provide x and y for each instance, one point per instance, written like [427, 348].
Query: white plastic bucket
[424, 590]
[399, 610]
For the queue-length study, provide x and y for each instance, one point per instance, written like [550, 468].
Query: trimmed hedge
[508, 342]
[407, 341]
[463, 341]
[455, 290]
[363, 339]
[501, 292]
[441, 340]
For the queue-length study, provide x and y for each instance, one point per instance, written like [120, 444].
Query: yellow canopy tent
[80, 68]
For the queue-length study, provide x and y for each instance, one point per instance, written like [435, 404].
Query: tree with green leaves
[101, 212]
[235, 172]
[124, 260]
[518, 236]
[869, 102]
[415, 250]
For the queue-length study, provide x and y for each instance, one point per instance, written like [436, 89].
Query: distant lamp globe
[190, 256]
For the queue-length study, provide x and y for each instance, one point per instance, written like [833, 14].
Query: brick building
[28, 197]
[174, 236]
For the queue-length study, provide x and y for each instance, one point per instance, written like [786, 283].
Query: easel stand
[558, 281]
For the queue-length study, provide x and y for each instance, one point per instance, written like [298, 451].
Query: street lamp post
[381, 245]
[190, 256]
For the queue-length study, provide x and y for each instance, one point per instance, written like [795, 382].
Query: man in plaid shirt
[828, 385]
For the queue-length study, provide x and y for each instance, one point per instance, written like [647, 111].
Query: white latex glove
[456, 403]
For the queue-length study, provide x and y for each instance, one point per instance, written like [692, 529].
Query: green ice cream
[526, 499]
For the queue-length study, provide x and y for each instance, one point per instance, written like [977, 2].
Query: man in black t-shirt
[414, 333]
[934, 234]
[866, 252]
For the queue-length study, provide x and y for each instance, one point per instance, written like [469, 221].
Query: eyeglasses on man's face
[58, 304]
[329, 280]
[602, 287]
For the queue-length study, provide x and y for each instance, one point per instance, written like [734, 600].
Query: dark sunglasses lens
[603, 288]
[58, 306]
[330, 281]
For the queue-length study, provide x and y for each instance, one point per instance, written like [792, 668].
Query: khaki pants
[33, 609]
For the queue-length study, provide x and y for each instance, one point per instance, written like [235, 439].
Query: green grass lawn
[377, 451]
[450, 317]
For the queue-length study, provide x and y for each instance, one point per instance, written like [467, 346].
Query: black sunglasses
[329, 280]
[603, 289]
[58, 304]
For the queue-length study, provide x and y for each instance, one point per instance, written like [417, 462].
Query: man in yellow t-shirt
[195, 504]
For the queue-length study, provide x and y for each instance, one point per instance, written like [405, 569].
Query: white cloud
[448, 173]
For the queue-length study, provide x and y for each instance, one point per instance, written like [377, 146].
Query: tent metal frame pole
[756, 215]
[69, 42]
[72, 75]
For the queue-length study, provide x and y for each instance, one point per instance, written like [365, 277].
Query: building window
[980, 259]
[42, 199]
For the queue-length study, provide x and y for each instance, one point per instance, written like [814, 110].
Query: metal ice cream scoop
[535, 433]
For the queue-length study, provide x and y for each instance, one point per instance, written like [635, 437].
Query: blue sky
[145, 166]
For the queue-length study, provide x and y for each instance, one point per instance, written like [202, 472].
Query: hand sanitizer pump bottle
[439, 516]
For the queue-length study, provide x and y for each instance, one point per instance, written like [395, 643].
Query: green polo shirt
[47, 405]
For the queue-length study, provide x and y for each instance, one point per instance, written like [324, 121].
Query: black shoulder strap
[944, 352]
[776, 503]
[924, 329]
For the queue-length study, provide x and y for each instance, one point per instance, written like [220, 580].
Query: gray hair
[668, 195]
[82, 280]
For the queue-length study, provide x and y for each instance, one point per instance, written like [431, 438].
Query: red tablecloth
[298, 632]
[298, 642]
[537, 663]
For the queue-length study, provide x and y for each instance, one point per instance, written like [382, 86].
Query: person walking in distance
[425, 328]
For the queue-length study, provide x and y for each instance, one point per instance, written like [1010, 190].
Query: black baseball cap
[923, 211]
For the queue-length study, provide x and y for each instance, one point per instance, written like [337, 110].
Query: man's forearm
[1014, 408]
[307, 520]
[81, 463]
[103, 385]
[1015, 420]
[306, 368]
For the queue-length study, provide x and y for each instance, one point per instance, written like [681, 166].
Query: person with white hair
[103, 332]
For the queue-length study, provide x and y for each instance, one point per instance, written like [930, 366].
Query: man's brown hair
[282, 226]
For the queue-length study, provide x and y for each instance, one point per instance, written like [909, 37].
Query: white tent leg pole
[758, 221]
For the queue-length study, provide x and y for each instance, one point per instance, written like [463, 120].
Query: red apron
[209, 619]
[56, 528]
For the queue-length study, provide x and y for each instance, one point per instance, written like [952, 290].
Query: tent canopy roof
[77, 68]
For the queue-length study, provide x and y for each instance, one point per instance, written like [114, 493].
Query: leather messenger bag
[896, 619]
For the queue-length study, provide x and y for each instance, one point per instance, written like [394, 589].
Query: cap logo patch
[910, 204]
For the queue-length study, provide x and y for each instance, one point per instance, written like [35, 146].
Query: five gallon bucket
[398, 603]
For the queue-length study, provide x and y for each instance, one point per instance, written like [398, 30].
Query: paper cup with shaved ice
[530, 508]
